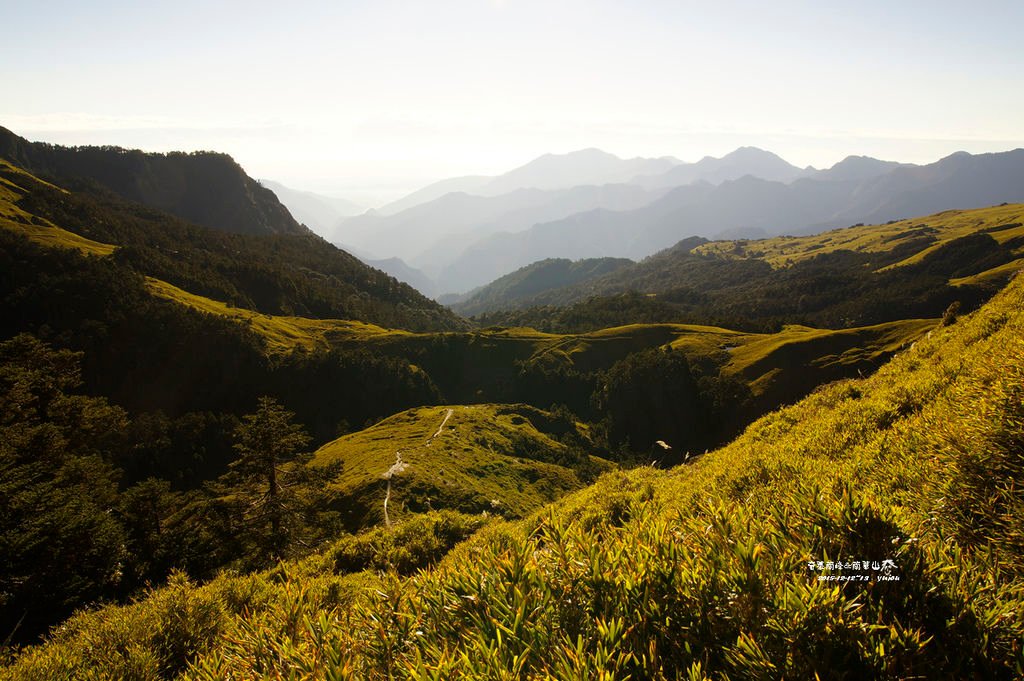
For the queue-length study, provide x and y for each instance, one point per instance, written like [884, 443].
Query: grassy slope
[734, 271]
[37, 229]
[506, 459]
[772, 362]
[944, 227]
[994, 275]
[704, 568]
[282, 334]
[698, 572]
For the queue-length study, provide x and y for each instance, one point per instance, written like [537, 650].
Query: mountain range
[725, 282]
[318, 212]
[431, 234]
[463, 233]
[751, 207]
[741, 162]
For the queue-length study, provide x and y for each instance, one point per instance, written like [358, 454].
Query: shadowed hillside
[273, 273]
[206, 188]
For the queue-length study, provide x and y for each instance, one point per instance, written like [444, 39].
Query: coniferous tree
[60, 544]
[267, 440]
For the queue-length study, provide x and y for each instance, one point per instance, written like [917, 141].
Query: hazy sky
[372, 99]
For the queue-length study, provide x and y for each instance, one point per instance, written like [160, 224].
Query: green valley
[269, 459]
[708, 569]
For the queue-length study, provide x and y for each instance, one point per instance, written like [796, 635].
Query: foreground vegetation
[709, 570]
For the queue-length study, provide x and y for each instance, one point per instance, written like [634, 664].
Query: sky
[370, 100]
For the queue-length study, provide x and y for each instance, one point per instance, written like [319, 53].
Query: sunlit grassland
[10, 168]
[503, 459]
[703, 570]
[1001, 222]
[38, 229]
[696, 572]
[762, 357]
[995, 274]
[281, 333]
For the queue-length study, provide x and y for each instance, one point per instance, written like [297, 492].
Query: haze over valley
[458, 234]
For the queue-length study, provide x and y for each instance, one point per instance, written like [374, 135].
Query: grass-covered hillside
[502, 459]
[1004, 223]
[762, 559]
[277, 274]
[858, 276]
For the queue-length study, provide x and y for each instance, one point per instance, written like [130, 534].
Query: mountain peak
[589, 166]
[753, 154]
[958, 155]
[588, 153]
[208, 188]
[592, 150]
[856, 168]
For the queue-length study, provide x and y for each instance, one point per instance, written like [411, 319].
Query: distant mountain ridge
[207, 188]
[583, 167]
[744, 161]
[431, 234]
[753, 207]
[464, 231]
[402, 271]
[547, 172]
[860, 275]
[319, 213]
[857, 168]
[468, 184]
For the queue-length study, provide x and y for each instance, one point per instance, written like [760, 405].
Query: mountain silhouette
[206, 188]
[749, 207]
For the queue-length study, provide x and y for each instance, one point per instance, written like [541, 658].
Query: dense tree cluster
[59, 544]
[75, 526]
[657, 401]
